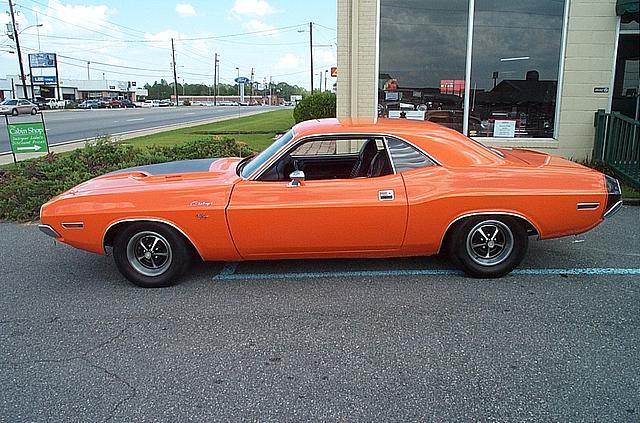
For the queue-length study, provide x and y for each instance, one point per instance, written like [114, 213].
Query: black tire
[34, 111]
[14, 112]
[489, 246]
[146, 267]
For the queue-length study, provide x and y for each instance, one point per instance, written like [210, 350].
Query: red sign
[334, 71]
[452, 86]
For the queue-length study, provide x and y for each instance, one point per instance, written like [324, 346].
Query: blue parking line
[228, 273]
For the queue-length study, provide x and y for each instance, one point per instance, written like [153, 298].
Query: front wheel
[489, 247]
[34, 111]
[151, 255]
[14, 112]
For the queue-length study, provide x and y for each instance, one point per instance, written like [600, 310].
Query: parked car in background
[128, 104]
[115, 103]
[165, 103]
[331, 189]
[89, 104]
[15, 107]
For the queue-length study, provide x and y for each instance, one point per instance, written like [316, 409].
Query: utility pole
[215, 79]
[320, 84]
[15, 35]
[311, 52]
[251, 98]
[88, 73]
[325, 79]
[270, 90]
[175, 75]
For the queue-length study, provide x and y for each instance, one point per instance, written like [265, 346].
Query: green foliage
[30, 183]
[316, 106]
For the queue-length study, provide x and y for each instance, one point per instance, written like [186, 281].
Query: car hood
[171, 175]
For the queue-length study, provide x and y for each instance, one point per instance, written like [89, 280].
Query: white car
[15, 107]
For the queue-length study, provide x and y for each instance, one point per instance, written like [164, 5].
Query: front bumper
[48, 230]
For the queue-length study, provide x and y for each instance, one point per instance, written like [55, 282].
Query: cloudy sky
[130, 40]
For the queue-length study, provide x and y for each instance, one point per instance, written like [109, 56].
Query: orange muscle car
[335, 189]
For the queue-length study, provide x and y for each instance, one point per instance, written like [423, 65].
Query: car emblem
[200, 204]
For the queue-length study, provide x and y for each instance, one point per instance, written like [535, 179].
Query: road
[76, 125]
[324, 340]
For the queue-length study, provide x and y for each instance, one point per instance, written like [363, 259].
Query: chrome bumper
[48, 230]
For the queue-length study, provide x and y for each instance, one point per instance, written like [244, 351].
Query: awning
[628, 10]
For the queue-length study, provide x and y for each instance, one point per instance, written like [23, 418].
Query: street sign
[242, 80]
[27, 137]
[334, 71]
[45, 80]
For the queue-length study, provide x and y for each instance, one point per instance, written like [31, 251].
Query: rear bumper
[614, 196]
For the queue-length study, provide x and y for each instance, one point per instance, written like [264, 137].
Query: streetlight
[238, 70]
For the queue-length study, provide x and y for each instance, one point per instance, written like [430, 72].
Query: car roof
[446, 145]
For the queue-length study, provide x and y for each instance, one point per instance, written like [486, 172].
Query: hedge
[316, 106]
[24, 187]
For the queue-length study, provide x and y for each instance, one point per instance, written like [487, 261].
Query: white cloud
[165, 35]
[252, 7]
[255, 25]
[290, 62]
[325, 56]
[185, 9]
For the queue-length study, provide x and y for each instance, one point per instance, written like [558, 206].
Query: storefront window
[422, 59]
[514, 68]
[514, 64]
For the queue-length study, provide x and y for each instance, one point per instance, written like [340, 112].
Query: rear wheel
[34, 111]
[489, 247]
[150, 254]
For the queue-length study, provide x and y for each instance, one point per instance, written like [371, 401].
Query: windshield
[261, 158]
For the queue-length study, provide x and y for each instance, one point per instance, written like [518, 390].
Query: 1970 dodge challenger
[335, 189]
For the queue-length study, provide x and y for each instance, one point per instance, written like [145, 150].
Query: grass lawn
[257, 131]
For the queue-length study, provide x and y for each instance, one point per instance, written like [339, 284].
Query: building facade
[511, 73]
[73, 89]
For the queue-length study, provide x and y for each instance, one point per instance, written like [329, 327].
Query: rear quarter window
[407, 157]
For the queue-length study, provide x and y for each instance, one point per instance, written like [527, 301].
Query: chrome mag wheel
[489, 243]
[149, 253]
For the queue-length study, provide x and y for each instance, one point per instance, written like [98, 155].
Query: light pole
[325, 79]
[238, 70]
[17, 40]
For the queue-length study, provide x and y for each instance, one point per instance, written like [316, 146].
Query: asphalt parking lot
[331, 340]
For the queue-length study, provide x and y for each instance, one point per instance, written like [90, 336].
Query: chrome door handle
[386, 195]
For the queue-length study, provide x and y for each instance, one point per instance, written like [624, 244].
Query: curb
[631, 201]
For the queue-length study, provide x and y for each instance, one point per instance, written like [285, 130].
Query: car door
[320, 217]
[24, 106]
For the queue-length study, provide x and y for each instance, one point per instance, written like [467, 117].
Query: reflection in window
[515, 64]
[422, 59]
[514, 67]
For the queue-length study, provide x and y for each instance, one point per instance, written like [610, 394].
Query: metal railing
[617, 144]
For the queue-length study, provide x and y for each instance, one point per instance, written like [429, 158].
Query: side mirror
[297, 179]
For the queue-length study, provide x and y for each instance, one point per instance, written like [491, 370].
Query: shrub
[315, 106]
[24, 187]
[186, 103]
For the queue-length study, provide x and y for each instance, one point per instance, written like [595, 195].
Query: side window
[333, 158]
[331, 147]
[406, 156]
